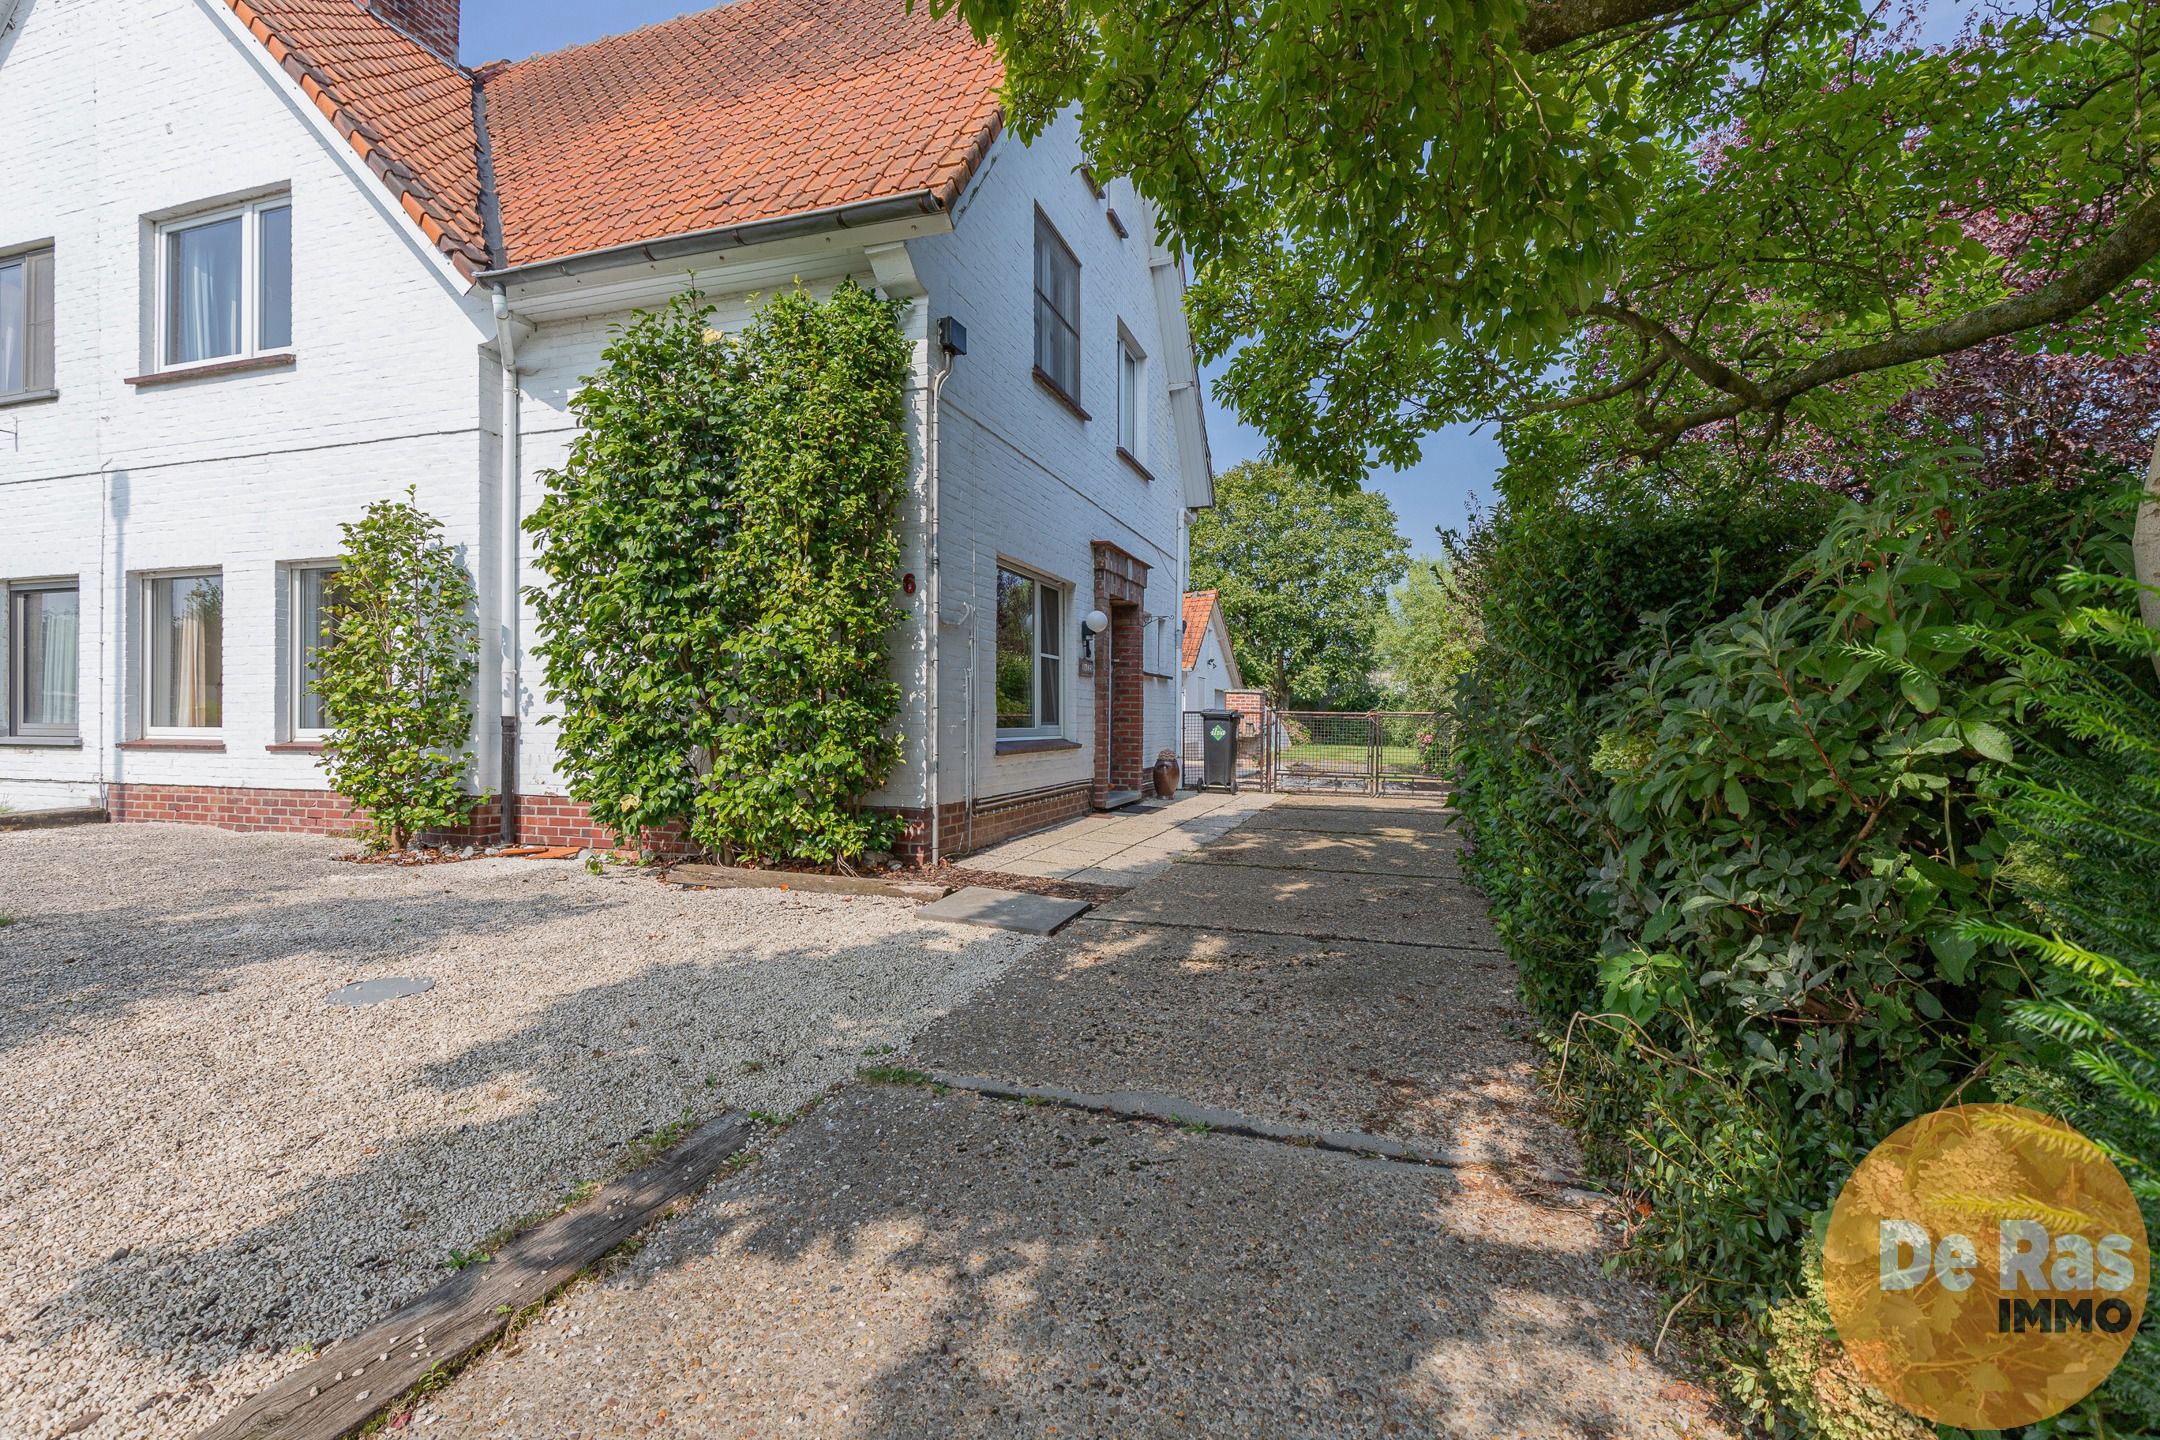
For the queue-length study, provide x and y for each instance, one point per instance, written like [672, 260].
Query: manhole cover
[379, 992]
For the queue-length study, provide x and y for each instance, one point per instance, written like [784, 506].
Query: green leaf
[1988, 739]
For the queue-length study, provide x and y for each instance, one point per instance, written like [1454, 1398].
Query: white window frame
[1046, 234]
[251, 346]
[296, 648]
[1132, 411]
[1049, 645]
[40, 342]
[11, 722]
[146, 661]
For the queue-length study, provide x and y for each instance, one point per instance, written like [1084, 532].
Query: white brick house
[275, 275]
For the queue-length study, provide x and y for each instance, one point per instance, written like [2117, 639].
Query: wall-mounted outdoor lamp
[1091, 625]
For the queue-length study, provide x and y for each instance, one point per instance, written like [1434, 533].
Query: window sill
[1137, 468]
[28, 397]
[43, 742]
[208, 747]
[1036, 745]
[214, 370]
[1042, 378]
[296, 747]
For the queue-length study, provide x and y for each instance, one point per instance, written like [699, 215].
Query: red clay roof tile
[405, 111]
[1199, 606]
[753, 111]
[756, 110]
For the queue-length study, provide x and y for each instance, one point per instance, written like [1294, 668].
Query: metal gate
[1370, 752]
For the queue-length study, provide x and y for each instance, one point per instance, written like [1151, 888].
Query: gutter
[729, 237]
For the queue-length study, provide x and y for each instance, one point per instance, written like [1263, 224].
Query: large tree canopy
[1304, 570]
[1659, 215]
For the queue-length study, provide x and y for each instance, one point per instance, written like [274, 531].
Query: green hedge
[1735, 774]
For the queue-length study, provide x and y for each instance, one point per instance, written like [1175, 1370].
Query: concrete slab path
[1123, 847]
[1003, 910]
[908, 1262]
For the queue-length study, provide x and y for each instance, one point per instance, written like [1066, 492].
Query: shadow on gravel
[567, 1099]
[903, 1266]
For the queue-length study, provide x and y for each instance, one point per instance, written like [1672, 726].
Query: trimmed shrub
[396, 679]
[1749, 856]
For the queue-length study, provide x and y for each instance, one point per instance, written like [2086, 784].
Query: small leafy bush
[396, 679]
[720, 550]
[1810, 1373]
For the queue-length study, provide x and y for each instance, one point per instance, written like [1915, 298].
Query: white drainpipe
[931, 617]
[512, 552]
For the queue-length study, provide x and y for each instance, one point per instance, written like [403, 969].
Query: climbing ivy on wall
[721, 550]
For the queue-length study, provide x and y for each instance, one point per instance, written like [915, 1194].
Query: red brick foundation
[541, 819]
[554, 819]
[998, 818]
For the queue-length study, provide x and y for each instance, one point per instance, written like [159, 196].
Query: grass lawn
[1354, 756]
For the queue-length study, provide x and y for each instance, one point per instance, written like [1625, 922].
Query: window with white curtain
[183, 653]
[44, 646]
[225, 284]
[314, 626]
[26, 324]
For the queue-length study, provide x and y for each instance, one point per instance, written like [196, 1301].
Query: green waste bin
[1218, 750]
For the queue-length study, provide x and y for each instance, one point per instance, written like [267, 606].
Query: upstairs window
[1131, 396]
[225, 282]
[1030, 616]
[1057, 312]
[26, 324]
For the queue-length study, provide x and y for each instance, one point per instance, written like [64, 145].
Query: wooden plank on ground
[727, 877]
[354, 1379]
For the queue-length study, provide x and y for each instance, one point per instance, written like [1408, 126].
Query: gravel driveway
[205, 1169]
[911, 1263]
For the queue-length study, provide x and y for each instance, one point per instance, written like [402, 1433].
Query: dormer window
[225, 284]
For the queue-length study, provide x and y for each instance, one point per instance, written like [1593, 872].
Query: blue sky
[1457, 464]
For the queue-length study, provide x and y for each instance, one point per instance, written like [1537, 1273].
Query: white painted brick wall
[1026, 480]
[116, 110]
[394, 387]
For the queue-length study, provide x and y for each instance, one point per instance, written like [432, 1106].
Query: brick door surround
[1120, 703]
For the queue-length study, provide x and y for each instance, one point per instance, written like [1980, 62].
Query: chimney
[434, 23]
